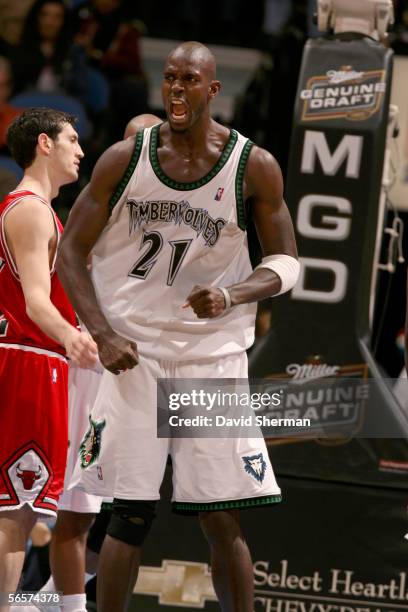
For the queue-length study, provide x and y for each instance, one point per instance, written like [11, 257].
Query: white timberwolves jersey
[165, 237]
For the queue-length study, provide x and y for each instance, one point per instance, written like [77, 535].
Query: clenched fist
[207, 302]
[117, 354]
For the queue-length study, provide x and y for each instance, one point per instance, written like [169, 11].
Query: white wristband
[285, 266]
[227, 297]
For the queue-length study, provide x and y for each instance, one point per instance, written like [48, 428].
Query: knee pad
[98, 530]
[131, 520]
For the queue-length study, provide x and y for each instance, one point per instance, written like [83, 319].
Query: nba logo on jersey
[99, 472]
[219, 193]
[54, 375]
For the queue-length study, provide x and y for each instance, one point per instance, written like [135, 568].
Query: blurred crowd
[84, 56]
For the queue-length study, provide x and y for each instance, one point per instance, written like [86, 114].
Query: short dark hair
[22, 135]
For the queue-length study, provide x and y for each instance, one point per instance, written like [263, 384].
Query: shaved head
[139, 123]
[189, 85]
[196, 53]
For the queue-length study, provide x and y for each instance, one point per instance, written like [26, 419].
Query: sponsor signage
[185, 584]
[343, 94]
[188, 584]
[341, 550]
[333, 193]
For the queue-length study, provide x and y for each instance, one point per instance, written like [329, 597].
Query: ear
[214, 89]
[44, 143]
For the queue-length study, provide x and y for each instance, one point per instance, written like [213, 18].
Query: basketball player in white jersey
[172, 294]
[70, 565]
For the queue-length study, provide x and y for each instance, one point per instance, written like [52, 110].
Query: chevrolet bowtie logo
[177, 583]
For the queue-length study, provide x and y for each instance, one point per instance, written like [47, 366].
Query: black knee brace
[131, 520]
[97, 532]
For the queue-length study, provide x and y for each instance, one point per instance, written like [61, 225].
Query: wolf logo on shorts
[91, 444]
[255, 466]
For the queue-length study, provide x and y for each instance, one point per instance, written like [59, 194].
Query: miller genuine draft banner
[322, 328]
[333, 191]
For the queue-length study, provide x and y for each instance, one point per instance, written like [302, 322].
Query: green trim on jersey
[239, 184]
[251, 502]
[129, 171]
[154, 160]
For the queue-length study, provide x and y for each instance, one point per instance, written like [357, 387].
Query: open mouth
[178, 110]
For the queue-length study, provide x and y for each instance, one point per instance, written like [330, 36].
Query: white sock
[88, 577]
[74, 603]
[49, 585]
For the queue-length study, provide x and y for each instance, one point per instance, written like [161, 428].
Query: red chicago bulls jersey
[15, 325]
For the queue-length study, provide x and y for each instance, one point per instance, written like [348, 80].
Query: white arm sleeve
[285, 266]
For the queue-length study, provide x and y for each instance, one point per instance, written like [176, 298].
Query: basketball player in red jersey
[37, 332]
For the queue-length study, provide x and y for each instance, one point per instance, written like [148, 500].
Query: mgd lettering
[332, 227]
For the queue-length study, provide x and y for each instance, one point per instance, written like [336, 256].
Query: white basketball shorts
[121, 455]
[83, 386]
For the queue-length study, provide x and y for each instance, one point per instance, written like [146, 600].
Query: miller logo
[302, 373]
[255, 466]
[343, 94]
[91, 444]
[333, 397]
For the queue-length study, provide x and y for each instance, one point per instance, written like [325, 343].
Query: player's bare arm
[263, 182]
[31, 235]
[87, 220]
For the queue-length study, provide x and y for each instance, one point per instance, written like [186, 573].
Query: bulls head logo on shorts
[28, 477]
[255, 466]
[91, 444]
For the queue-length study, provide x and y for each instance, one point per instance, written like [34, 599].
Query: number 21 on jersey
[146, 262]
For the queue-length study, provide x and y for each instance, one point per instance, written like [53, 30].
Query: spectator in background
[12, 16]
[42, 58]
[8, 169]
[7, 112]
[104, 28]
[47, 61]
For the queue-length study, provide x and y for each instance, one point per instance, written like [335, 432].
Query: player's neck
[194, 140]
[38, 180]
